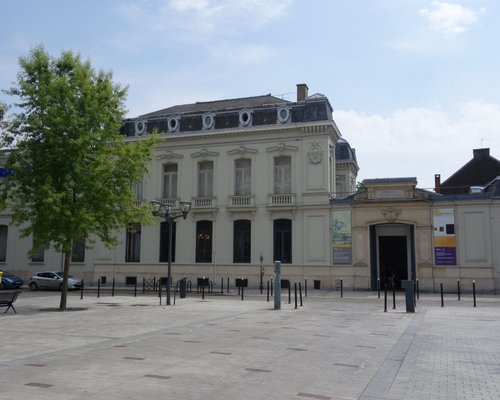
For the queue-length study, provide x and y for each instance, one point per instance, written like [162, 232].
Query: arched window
[164, 241]
[204, 241]
[283, 240]
[241, 241]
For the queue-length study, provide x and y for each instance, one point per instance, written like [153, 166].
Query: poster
[445, 250]
[341, 237]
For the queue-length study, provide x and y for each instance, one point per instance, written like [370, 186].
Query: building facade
[271, 179]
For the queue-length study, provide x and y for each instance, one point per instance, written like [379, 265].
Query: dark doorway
[393, 257]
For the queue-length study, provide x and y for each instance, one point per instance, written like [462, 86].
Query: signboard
[342, 237]
[445, 249]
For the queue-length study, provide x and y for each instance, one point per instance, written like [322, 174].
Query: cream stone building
[271, 179]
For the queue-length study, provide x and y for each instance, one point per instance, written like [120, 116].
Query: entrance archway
[392, 258]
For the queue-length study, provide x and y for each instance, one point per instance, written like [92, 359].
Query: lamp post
[164, 209]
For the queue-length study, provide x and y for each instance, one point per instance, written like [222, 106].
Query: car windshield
[7, 273]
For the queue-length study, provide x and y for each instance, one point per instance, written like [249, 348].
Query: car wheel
[33, 286]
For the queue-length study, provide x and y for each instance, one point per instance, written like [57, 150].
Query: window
[204, 241]
[78, 251]
[241, 241]
[283, 240]
[137, 189]
[38, 253]
[133, 243]
[205, 179]
[283, 174]
[170, 180]
[164, 241]
[243, 177]
[3, 242]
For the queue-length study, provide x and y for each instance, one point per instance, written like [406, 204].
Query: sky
[414, 83]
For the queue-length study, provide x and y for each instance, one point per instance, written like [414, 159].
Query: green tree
[72, 170]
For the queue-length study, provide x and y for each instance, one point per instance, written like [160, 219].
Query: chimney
[437, 183]
[302, 91]
[481, 153]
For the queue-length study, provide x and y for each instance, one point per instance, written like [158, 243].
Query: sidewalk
[127, 347]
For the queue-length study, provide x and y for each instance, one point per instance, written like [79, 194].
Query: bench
[7, 299]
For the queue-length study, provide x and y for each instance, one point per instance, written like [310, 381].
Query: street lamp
[164, 209]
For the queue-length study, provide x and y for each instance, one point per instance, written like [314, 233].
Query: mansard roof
[244, 112]
[218, 105]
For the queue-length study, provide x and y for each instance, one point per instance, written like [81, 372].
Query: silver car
[53, 280]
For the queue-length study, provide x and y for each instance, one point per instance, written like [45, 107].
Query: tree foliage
[72, 170]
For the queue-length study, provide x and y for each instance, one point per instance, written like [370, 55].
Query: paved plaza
[126, 347]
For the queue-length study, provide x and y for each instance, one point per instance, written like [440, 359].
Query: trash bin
[317, 284]
[183, 288]
[285, 283]
[241, 282]
[409, 288]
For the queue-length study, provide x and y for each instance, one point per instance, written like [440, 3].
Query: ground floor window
[78, 251]
[164, 241]
[3, 242]
[133, 243]
[241, 241]
[204, 241]
[282, 234]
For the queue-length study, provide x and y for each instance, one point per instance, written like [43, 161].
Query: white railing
[241, 201]
[172, 201]
[204, 202]
[282, 199]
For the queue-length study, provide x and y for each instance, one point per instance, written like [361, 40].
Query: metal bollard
[305, 287]
[474, 292]
[203, 292]
[300, 293]
[159, 293]
[393, 297]
[418, 291]
[227, 290]
[378, 287]
[143, 285]
[289, 293]
[442, 298]
[385, 297]
[135, 289]
[271, 287]
[341, 288]
[113, 288]
[154, 283]
[221, 285]
[81, 291]
[458, 288]
[99, 288]
[242, 293]
[295, 295]
[268, 291]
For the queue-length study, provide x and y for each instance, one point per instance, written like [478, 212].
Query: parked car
[53, 280]
[10, 281]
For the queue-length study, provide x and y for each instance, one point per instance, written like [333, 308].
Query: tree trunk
[64, 287]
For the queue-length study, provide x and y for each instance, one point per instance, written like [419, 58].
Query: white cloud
[238, 53]
[195, 20]
[420, 142]
[450, 19]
